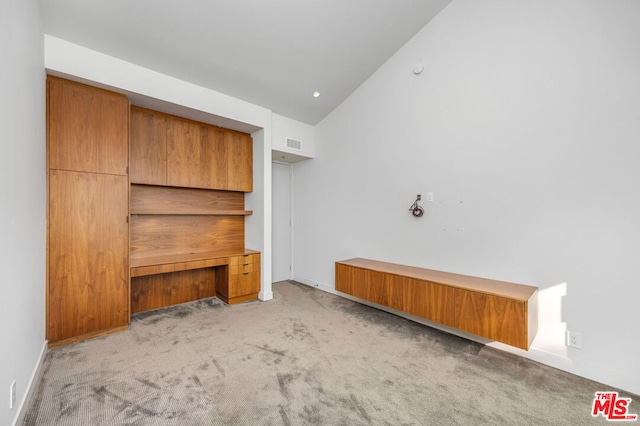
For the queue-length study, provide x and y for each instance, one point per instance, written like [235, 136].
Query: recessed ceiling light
[316, 94]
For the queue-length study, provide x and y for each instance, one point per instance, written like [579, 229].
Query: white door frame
[290, 166]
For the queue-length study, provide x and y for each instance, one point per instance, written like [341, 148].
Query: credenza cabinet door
[493, 317]
[88, 128]
[88, 287]
[428, 300]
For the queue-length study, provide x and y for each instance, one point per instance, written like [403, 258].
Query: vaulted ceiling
[273, 53]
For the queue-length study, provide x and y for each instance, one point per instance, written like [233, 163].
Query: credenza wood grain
[497, 310]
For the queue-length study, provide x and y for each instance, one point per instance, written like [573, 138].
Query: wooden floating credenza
[497, 310]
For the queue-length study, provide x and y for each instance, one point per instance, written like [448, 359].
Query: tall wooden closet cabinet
[145, 210]
[88, 189]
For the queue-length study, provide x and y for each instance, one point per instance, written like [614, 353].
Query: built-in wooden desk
[498, 310]
[233, 276]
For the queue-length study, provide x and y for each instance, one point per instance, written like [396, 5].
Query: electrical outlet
[574, 339]
[12, 395]
[429, 197]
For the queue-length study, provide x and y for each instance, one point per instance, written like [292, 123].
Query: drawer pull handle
[245, 273]
[245, 264]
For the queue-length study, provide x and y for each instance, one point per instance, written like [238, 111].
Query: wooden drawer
[244, 284]
[244, 269]
[244, 259]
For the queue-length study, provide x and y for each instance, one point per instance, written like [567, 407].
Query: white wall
[283, 128]
[525, 123]
[22, 200]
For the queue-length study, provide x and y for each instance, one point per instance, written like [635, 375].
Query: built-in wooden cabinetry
[141, 194]
[168, 150]
[88, 208]
[498, 310]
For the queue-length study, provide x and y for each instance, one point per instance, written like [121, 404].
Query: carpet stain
[266, 348]
[282, 385]
[124, 404]
[284, 416]
[67, 412]
[311, 415]
[196, 380]
[218, 367]
[148, 383]
[360, 408]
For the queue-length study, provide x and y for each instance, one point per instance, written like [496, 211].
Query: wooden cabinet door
[88, 128]
[374, 286]
[239, 149]
[428, 300]
[88, 288]
[493, 317]
[149, 132]
[352, 281]
[184, 154]
[196, 156]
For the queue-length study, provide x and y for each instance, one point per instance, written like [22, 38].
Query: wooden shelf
[169, 200]
[194, 213]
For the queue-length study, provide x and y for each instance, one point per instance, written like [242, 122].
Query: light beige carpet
[307, 357]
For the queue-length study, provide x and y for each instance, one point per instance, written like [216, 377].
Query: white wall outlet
[574, 339]
[429, 197]
[12, 395]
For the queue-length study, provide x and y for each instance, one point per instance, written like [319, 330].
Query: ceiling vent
[294, 144]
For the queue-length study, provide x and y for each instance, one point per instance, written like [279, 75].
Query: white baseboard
[265, 295]
[33, 382]
[320, 286]
[589, 371]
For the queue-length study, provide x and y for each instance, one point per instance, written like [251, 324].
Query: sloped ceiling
[273, 53]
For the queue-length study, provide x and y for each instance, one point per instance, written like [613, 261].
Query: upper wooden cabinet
[88, 128]
[168, 150]
[149, 135]
[239, 149]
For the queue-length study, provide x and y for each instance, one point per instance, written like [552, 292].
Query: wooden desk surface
[187, 257]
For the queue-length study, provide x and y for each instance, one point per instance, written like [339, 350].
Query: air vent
[293, 144]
